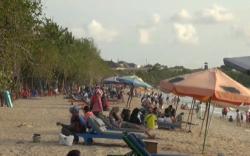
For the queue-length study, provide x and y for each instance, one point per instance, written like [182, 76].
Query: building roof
[239, 63]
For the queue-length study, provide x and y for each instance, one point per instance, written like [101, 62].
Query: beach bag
[66, 140]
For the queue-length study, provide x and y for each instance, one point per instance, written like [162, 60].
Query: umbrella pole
[190, 124]
[206, 128]
[205, 113]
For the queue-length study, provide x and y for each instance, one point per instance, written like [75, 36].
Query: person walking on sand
[160, 100]
[198, 110]
[130, 96]
[241, 117]
[238, 118]
[248, 118]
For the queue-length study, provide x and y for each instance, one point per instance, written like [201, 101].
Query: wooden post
[189, 115]
[192, 111]
[205, 113]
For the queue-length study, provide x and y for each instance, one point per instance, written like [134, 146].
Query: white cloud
[98, 32]
[78, 32]
[156, 18]
[144, 36]
[186, 33]
[215, 14]
[182, 16]
[146, 30]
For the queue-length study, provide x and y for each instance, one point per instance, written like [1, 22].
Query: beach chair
[99, 131]
[138, 146]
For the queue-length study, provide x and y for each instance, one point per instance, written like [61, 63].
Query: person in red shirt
[87, 113]
[96, 102]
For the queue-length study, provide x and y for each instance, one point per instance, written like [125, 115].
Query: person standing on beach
[160, 100]
[96, 102]
[241, 117]
[224, 112]
[130, 96]
[198, 110]
[238, 118]
[167, 100]
[248, 118]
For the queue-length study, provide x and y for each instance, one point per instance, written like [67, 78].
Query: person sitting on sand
[87, 114]
[230, 118]
[117, 122]
[74, 153]
[136, 117]
[184, 106]
[77, 124]
[173, 113]
[151, 119]
[125, 115]
[168, 123]
[114, 118]
[168, 111]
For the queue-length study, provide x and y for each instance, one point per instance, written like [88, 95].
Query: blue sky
[169, 32]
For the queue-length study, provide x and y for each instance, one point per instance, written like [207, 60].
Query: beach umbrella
[134, 80]
[111, 80]
[208, 85]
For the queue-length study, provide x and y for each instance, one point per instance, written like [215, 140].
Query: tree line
[35, 51]
[155, 73]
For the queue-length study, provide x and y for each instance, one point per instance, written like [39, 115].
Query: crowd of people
[144, 119]
[153, 113]
[239, 117]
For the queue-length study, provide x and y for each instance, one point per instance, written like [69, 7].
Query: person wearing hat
[77, 124]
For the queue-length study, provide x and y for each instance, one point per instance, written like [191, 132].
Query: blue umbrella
[134, 80]
[111, 80]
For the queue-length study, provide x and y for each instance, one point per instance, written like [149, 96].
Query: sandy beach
[39, 115]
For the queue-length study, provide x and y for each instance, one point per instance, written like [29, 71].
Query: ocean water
[216, 111]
